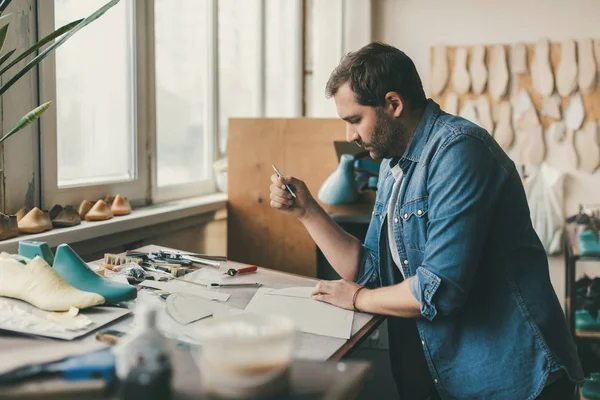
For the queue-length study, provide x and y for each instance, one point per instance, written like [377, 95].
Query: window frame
[144, 190]
[136, 190]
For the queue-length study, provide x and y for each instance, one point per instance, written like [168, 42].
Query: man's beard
[388, 137]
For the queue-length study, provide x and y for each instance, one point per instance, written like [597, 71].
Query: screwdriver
[243, 270]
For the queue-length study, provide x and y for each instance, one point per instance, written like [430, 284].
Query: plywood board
[301, 147]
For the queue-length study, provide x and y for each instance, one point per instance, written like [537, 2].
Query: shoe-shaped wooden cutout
[461, 81]
[572, 156]
[478, 70]
[504, 133]
[439, 73]
[586, 142]
[40, 285]
[518, 59]
[551, 107]
[498, 81]
[64, 216]
[586, 78]
[574, 113]
[84, 208]
[484, 113]
[120, 206]
[99, 212]
[541, 69]
[566, 74]
[8, 226]
[451, 104]
[35, 221]
[469, 112]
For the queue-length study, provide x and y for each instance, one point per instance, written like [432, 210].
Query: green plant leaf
[6, 56]
[3, 5]
[94, 16]
[26, 120]
[3, 33]
[60, 31]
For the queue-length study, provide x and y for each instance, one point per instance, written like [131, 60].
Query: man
[450, 255]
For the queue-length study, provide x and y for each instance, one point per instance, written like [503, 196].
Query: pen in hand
[286, 185]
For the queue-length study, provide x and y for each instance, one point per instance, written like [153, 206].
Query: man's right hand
[300, 207]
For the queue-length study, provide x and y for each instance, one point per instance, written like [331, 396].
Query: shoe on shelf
[591, 387]
[35, 221]
[584, 321]
[99, 212]
[75, 271]
[120, 206]
[64, 216]
[32, 248]
[8, 226]
[84, 208]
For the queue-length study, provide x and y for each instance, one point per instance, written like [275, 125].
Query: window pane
[181, 65]
[238, 62]
[95, 96]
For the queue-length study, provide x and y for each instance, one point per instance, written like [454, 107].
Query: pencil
[286, 185]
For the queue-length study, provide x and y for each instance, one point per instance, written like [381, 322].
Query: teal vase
[340, 187]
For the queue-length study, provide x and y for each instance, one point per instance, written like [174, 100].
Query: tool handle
[249, 268]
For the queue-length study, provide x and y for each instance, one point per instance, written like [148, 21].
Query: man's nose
[352, 135]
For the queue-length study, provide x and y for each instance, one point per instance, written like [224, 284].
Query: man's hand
[339, 293]
[299, 207]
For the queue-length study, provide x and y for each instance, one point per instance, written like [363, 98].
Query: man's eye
[354, 121]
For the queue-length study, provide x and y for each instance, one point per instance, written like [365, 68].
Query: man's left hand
[339, 293]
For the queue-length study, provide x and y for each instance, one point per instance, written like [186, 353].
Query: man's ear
[394, 104]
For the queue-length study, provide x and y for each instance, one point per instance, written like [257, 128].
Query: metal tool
[240, 284]
[197, 255]
[243, 270]
[184, 259]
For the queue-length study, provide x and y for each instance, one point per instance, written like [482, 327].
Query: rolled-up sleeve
[464, 182]
[367, 269]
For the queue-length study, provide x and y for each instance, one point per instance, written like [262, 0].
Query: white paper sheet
[189, 288]
[300, 292]
[309, 315]
[31, 320]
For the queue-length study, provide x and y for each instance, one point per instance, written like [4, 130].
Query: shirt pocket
[415, 220]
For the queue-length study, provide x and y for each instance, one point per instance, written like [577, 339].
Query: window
[143, 95]
[95, 99]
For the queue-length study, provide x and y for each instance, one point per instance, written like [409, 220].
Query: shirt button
[423, 342]
[405, 262]
[435, 381]
[405, 216]
[396, 220]
[419, 212]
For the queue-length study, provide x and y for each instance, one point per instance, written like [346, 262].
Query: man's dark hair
[375, 70]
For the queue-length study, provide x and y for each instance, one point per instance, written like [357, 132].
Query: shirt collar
[419, 139]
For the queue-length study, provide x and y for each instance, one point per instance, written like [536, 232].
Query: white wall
[416, 25]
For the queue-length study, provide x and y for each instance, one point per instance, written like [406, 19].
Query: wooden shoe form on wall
[498, 82]
[99, 212]
[84, 208]
[551, 107]
[504, 133]
[557, 131]
[542, 77]
[35, 221]
[461, 81]
[439, 78]
[469, 112]
[478, 70]
[574, 113]
[572, 156]
[534, 150]
[586, 142]
[451, 105]
[484, 113]
[586, 78]
[566, 74]
[120, 206]
[518, 59]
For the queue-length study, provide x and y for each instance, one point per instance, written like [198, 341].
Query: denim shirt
[491, 324]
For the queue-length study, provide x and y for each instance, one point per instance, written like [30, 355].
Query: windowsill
[139, 218]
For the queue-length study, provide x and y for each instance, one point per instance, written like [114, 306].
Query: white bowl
[242, 352]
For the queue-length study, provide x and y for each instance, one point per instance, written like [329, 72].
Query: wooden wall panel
[302, 147]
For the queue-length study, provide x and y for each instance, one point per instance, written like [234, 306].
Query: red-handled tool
[243, 270]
